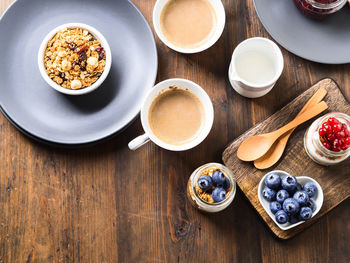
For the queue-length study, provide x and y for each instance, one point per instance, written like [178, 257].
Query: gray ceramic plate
[325, 41]
[43, 113]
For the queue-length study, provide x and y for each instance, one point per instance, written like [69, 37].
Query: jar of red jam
[327, 141]
[211, 187]
[319, 9]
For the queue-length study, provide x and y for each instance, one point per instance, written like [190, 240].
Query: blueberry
[289, 183]
[205, 182]
[281, 217]
[219, 194]
[301, 197]
[291, 206]
[282, 195]
[299, 187]
[273, 181]
[311, 203]
[311, 189]
[269, 194]
[305, 213]
[275, 206]
[218, 178]
[294, 219]
[227, 183]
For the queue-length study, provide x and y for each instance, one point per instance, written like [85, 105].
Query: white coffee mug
[161, 87]
[261, 46]
[220, 25]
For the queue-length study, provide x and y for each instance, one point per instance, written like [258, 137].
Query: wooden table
[108, 204]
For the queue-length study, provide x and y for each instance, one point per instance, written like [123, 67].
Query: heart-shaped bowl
[318, 198]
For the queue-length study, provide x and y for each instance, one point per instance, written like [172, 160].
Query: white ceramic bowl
[153, 93]
[98, 36]
[301, 180]
[221, 20]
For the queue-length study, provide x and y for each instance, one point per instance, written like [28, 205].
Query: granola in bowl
[74, 58]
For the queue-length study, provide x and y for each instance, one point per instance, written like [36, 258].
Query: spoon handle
[305, 116]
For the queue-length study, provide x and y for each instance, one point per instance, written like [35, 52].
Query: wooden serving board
[334, 180]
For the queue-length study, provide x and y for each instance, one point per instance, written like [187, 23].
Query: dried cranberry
[71, 45]
[82, 56]
[62, 75]
[101, 53]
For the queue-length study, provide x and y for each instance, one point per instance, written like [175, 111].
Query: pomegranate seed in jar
[322, 132]
[327, 127]
[340, 135]
[345, 130]
[347, 141]
[330, 137]
[336, 127]
[326, 145]
[337, 142]
[332, 121]
[336, 149]
[344, 147]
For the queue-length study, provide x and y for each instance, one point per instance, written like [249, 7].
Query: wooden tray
[334, 180]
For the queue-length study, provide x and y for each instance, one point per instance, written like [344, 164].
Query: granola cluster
[74, 58]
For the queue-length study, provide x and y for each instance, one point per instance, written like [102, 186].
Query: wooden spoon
[255, 147]
[277, 149]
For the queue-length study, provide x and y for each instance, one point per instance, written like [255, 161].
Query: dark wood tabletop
[108, 204]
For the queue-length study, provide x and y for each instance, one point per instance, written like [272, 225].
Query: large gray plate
[325, 41]
[43, 113]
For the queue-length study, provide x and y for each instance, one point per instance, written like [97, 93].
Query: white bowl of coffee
[177, 115]
[189, 26]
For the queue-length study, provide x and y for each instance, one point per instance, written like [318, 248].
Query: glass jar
[319, 9]
[199, 202]
[313, 146]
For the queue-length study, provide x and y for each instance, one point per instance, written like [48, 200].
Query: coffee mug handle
[138, 142]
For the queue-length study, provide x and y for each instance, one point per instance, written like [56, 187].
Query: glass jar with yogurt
[204, 199]
[320, 148]
[319, 9]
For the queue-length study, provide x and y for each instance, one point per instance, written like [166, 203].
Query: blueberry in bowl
[301, 197]
[305, 213]
[294, 219]
[310, 188]
[281, 217]
[275, 206]
[291, 206]
[269, 194]
[273, 181]
[282, 195]
[289, 183]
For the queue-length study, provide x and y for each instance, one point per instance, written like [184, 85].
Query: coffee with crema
[176, 116]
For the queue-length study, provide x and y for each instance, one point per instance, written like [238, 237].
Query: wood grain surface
[108, 204]
[335, 181]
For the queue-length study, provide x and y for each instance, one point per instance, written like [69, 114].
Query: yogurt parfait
[211, 187]
[327, 141]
